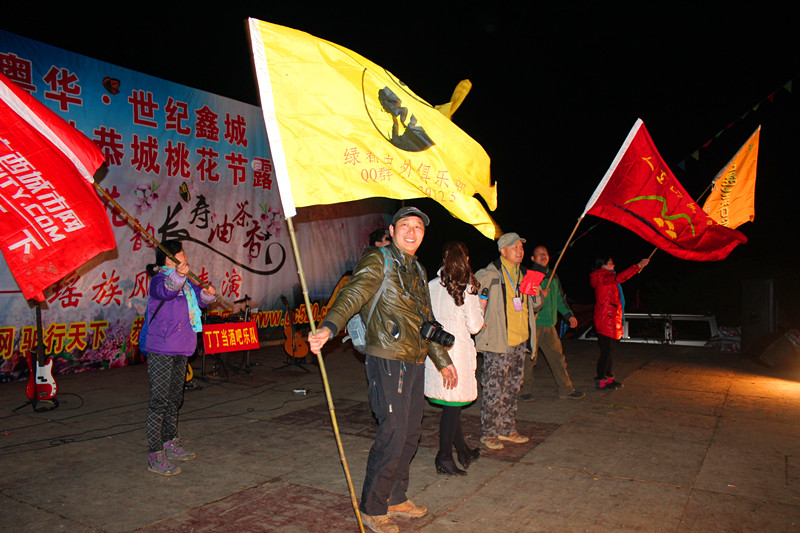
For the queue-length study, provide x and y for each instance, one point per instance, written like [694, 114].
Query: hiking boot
[157, 462]
[515, 437]
[379, 524]
[176, 451]
[408, 508]
[492, 443]
[574, 395]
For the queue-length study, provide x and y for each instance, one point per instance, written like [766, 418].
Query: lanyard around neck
[516, 287]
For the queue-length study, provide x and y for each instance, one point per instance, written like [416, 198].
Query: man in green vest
[547, 338]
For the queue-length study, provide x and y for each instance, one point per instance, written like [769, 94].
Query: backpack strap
[387, 263]
[427, 291]
[156, 311]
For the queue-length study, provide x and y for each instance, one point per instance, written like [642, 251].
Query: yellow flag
[342, 128]
[732, 199]
[462, 90]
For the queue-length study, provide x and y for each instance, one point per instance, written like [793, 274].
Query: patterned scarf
[621, 298]
[191, 301]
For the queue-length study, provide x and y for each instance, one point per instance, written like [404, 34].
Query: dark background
[557, 87]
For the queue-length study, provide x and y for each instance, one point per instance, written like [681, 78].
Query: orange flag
[732, 199]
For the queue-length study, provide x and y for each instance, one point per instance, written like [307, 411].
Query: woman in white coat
[457, 306]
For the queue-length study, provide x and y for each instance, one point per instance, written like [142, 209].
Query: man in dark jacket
[394, 362]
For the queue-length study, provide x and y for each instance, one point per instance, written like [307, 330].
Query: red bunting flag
[640, 193]
[51, 220]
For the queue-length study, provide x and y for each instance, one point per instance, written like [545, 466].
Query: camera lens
[433, 331]
[445, 339]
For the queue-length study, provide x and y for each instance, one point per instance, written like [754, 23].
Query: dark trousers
[604, 364]
[396, 395]
[450, 433]
[167, 376]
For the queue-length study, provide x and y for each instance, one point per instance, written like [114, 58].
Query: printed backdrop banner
[187, 165]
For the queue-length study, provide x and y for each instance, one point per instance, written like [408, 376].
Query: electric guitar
[295, 345]
[41, 385]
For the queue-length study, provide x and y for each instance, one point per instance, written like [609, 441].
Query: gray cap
[410, 211]
[508, 239]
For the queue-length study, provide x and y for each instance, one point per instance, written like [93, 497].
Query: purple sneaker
[176, 451]
[157, 462]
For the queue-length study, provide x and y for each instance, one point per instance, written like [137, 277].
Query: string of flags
[770, 98]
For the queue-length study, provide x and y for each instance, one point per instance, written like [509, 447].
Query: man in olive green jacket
[394, 363]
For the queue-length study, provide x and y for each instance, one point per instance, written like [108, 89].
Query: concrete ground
[696, 441]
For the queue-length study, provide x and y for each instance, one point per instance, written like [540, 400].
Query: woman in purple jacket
[173, 315]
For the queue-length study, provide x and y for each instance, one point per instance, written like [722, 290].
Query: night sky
[556, 88]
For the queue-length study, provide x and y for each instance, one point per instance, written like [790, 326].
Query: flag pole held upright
[324, 373]
[563, 251]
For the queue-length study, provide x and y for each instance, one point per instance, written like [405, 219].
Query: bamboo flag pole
[563, 251]
[324, 373]
[153, 240]
[650, 256]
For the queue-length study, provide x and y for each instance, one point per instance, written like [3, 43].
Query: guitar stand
[294, 361]
[42, 406]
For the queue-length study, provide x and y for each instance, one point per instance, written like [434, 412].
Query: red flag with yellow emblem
[640, 193]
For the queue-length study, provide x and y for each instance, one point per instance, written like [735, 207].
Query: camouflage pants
[501, 381]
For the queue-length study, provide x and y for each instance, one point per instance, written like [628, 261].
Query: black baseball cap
[410, 211]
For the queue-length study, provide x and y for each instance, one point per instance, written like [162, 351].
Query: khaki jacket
[393, 332]
[494, 337]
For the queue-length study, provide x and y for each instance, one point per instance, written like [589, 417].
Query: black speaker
[784, 352]
[758, 312]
